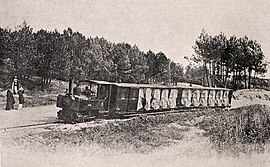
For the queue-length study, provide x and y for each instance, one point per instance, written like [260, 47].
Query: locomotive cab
[84, 101]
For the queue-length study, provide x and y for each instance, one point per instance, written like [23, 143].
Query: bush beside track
[240, 130]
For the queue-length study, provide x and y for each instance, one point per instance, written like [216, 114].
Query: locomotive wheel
[69, 116]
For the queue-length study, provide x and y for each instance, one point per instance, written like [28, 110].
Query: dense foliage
[228, 59]
[51, 54]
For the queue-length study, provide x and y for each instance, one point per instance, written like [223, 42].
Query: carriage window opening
[89, 90]
[103, 91]
[94, 90]
[133, 94]
[122, 93]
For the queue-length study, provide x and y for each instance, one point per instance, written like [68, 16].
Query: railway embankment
[247, 97]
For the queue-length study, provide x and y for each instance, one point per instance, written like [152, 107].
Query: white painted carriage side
[186, 97]
[196, 97]
[172, 98]
[155, 103]
[140, 99]
[204, 98]
[219, 97]
[164, 98]
[148, 97]
[211, 98]
[226, 98]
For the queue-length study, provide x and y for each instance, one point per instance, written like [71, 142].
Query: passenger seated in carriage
[89, 93]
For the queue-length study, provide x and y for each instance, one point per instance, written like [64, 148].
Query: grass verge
[241, 130]
[141, 134]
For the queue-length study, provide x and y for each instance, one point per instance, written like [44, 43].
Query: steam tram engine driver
[77, 90]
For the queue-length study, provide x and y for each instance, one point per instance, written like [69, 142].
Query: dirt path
[27, 116]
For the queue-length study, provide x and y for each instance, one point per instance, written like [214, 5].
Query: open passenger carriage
[100, 98]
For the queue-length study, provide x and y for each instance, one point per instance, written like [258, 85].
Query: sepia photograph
[134, 83]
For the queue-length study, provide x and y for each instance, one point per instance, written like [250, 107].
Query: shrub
[244, 129]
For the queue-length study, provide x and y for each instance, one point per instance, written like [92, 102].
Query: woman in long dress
[10, 100]
[21, 98]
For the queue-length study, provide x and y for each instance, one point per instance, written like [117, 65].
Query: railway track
[155, 113]
[30, 125]
[127, 116]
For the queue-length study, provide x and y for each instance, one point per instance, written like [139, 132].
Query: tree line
[224, 61]
[228, 61]
[51, 54]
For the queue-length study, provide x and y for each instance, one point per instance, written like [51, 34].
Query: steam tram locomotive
[100, 98]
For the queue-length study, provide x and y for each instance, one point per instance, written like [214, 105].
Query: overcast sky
[170, 26]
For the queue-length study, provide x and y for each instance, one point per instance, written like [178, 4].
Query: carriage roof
[134, 85]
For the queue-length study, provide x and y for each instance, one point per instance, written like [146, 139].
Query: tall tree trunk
[245, 75]
[235, 80]
[249, 77]
[209, 75]
[239, 78]
[213, 74]
[205, 74]
[226, 75]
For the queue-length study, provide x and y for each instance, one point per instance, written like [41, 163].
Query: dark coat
[10, 100]
[21, 98]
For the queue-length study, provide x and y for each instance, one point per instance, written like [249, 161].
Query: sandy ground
[27, 116]
[193, 150]
[248, 97]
